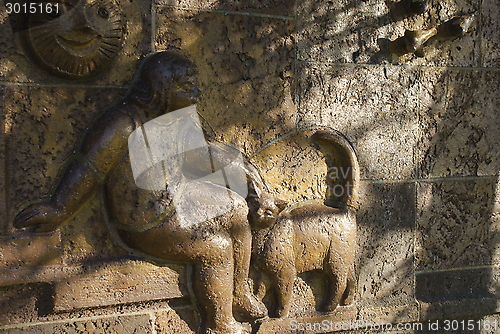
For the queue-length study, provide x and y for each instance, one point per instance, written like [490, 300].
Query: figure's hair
[157, 75]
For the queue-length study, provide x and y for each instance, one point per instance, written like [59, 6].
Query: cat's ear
[252, 190]
[281, 204]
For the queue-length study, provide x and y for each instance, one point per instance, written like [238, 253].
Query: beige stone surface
[3, 206]
[375, 107]
[386, 244]
[459, 122]
[20, 303]
[246, 68]
[490, 41]
[17, 66]
[294, 168]
[86, 237]
[134, 324]
[454, 288]
[342, 31]
[282, 8]
[119, 282]
[464, 51]
[458, 223]
[463, 309]
[24, 252]
[182, 321]
[310, 324]
[390, 313]
[42, 124]
[426, 131]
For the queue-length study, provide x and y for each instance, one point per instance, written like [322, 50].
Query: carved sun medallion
[78, 40]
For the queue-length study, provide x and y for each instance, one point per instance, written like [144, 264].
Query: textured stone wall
[426, 131]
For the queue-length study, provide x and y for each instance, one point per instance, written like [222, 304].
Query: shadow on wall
[420, 130]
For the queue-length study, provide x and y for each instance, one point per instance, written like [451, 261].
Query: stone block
[374, 107]
[312, 324]
[3, 204]
[35, 274]
[460, 128]
[17, 66]
[459, 309]
[42, 125]
[458, 284]
[464, 51]
[458, 224]
[385, 250]
[342, 31]
[392, 313]
[119, 282]
[131, 324]
[282, 8]
[182, 321]
[294, 169]
[490, 41]
[34, 251]
[246, 68]
[24, 303]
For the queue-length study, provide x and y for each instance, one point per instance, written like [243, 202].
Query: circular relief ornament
[76, 39]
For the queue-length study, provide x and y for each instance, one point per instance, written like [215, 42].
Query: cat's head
[77, 38]
[263, 208]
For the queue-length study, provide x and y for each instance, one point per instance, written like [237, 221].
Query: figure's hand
[44, 215]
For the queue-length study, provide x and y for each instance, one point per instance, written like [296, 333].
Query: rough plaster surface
[245, 64]
[16, 66]
[426, 131]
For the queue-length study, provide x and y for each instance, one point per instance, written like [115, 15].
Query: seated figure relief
[171, 194]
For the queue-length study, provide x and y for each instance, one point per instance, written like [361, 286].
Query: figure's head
[167, 78]
[76, 38]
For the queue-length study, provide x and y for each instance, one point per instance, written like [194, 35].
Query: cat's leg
[337, 277]
[350, 290]
[285, 279]
[278, 259]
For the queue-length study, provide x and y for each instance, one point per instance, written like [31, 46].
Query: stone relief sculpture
[407, 8]
[414, 41]
[172, 195]
[219, 248]
[312, 236]
[76, 39]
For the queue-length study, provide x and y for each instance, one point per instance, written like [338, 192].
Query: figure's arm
[103, 145]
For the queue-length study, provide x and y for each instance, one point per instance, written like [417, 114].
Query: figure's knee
[240, 207]
[214, 249]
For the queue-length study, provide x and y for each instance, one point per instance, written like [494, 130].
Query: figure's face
[78, 41]
[184, 92]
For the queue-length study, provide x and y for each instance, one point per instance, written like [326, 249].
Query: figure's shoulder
[119, 118]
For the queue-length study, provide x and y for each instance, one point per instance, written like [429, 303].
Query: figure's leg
[213, 288]
[210, 249]
[245, 302]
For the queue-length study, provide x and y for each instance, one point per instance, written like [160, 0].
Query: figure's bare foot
[247, 306]
[283, 312]
[45, 216]
[231, 328]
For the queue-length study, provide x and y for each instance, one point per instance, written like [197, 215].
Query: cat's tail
[343, 175]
